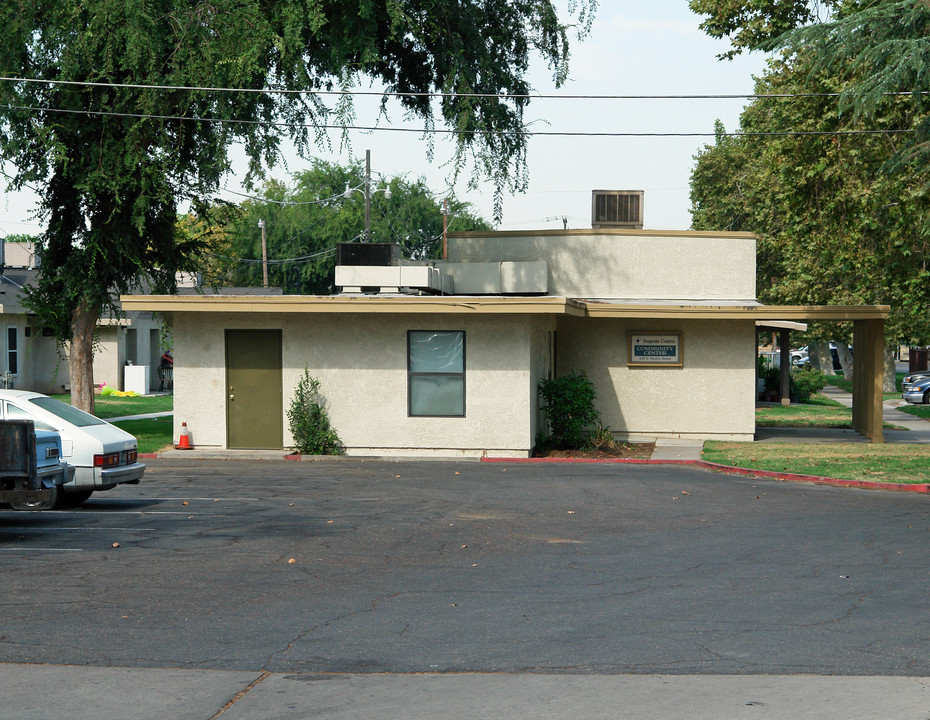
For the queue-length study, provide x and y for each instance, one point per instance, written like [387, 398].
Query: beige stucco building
[445, 358]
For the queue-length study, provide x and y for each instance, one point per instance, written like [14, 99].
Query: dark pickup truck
[30, 462]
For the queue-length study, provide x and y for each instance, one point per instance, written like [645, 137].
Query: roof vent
[617, 209]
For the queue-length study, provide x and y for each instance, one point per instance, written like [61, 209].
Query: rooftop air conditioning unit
[371, 254]
[617, 209]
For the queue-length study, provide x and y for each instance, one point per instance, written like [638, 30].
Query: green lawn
[849, 461]
[898, 463]
[844, 384]
[152, 434]
[820, 411]
[922, 411]
[110, 407]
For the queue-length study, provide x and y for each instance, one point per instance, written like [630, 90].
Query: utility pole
[261, 224]
[366, 236]
[445, 225]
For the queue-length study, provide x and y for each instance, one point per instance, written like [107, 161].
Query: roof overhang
[781, 325]
[403, 304]
[722, 310]
[503, 305]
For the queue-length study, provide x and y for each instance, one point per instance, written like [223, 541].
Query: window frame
[419, 374]
[12, 353]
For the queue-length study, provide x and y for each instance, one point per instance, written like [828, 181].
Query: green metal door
[254, 410]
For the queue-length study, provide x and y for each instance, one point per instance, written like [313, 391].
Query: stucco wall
[626, 264]
[111, 351]
[710, 397]
[543, 345]
[109, 356]
[361, 362]
[41, 367]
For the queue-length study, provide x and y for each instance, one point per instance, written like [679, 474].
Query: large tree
[875, 49]
[836, 223]
[305, 222]
[110, 107]
[842, 216]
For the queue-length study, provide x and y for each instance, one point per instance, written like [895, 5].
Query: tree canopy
[305, 221]
[839, 191]
[119, 110]
[834, 225]
[756, 24]
[874, 50]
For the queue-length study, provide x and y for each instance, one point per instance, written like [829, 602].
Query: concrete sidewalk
[119, 693]
[143, 416]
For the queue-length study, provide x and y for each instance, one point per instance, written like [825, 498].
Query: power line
[502, 96]
[290, 203]
[251, 261]
[450, 131]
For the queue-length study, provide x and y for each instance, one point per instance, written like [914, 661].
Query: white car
[103, 456]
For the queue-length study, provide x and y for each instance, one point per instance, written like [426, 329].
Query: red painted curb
[631, 461]
[715, 467]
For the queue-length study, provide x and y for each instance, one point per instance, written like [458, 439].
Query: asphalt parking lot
[397, 569]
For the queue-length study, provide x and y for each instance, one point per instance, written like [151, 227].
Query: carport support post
[784, 352]
[868, 377]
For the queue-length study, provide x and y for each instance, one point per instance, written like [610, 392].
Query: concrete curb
[815, 479]
[922, 488]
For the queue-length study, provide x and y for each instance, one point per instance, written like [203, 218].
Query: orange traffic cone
[184, 441]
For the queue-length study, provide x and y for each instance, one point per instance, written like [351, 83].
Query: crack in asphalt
[241, 694]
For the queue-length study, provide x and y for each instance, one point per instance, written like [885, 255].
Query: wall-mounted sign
[662, 349]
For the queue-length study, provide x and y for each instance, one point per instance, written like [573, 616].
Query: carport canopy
[868, 340]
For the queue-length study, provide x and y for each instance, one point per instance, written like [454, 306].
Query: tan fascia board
[430, 305]
[583, 232]
[801, 313]
[457, 304]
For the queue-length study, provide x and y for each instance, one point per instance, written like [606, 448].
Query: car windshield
[76, 417]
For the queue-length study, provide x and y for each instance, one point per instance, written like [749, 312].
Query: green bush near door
[309, 420]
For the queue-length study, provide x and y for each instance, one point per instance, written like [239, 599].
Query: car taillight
[108, 460]
[132, 456]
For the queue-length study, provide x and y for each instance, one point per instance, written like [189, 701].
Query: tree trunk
[846, 359]
[81, 358]
[820, 358]
[889, 379]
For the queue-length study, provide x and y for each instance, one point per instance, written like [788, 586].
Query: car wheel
[927, 398]
[73, 499]
[54, 500]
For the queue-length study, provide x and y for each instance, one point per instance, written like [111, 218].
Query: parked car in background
[914, 377]
[103, 456]
[916, 389]
[834, 355]
[799, 354]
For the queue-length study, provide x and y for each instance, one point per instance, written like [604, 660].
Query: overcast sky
[636, 48]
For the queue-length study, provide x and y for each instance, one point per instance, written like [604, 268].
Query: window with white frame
[436, 373]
